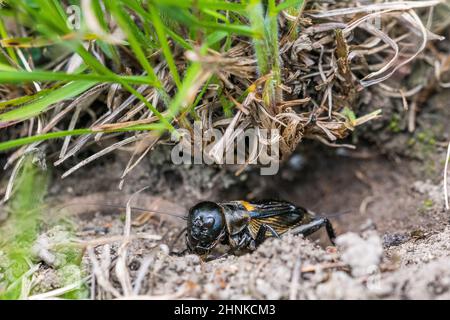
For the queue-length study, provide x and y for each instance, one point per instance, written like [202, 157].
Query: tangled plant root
[330, 53]
[341, 50]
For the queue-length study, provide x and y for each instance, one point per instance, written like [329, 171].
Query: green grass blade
[109, 49]
[208, 4]
[41, 137]
[177, 38]
[256, 15]
[54, 15]
[87, 57]
[134, 5]
[11, 144]
[23, 99]
[188, 19]
[24, 76]
[289, 4]
[34, 108]
[160, 31]
[4, 35]
[133, 34]
[185, 94]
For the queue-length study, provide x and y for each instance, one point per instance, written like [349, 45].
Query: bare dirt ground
[386, 203]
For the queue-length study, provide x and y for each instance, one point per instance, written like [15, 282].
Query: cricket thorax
[237, 217]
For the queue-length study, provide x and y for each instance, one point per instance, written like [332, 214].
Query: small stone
[395, 239]
[361, 254]
[164, 248]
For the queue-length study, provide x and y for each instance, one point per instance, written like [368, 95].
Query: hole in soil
[357, 189]
[172, 179]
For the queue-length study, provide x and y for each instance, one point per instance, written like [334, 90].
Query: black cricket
[243, 225]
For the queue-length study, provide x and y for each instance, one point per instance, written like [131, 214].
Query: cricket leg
[315, 225]
[242, 241]
[179, 254]
[176, 240]
[261, 235]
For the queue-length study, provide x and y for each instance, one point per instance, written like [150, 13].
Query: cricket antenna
[105, 205]
[337, 214]
[330, 215]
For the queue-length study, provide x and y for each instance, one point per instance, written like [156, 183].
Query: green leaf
[188, 19]
[133, 35]
[160, 30]
[289, 4]
[41, 137]
[349, 114]
[5, 67]
[215, 37]
[77, 132]
[23, 99]
[34, 108]
[190, 80]
[13, 76]
[209, 4]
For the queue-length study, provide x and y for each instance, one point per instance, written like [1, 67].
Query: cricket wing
[281, 216]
